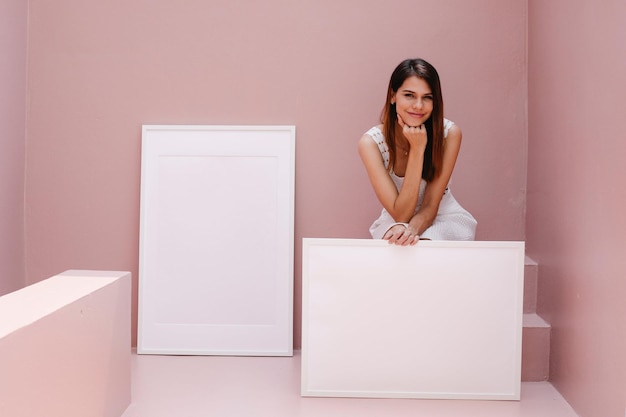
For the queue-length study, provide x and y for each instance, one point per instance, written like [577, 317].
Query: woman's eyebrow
[406, 90]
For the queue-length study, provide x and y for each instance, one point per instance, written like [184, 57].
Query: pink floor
[202, 386]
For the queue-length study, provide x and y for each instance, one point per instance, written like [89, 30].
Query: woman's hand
[399, 234]
[416, 136]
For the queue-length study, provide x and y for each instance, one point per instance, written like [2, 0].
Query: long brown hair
[433, 155]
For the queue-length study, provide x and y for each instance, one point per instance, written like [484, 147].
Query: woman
[409, 159]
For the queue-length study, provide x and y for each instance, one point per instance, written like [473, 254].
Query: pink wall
[99, 70]
[13, 30]
[576, 220]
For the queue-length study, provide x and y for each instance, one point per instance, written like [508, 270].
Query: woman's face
[414, 101]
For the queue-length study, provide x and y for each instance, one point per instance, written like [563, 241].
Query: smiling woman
[409, 159]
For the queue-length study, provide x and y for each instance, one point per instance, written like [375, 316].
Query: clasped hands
[401, 234]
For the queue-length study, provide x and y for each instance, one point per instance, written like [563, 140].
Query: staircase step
[535, 348]
[530, 285]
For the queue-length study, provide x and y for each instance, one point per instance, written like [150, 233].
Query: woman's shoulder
[375, 131]
[374, 139]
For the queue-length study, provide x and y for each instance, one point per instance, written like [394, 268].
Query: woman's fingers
[416, 136]
[401, 235]
[409, 238]
[416, 130]
[394, 233]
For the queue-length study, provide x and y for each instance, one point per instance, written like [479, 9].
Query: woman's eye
[428, 97]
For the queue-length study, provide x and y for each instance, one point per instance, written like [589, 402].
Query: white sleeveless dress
[453, 222]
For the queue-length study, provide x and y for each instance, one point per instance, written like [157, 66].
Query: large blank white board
[216, 240]
[435, 320]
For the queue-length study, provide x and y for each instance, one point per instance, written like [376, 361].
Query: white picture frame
[440, 320]
[216, 240]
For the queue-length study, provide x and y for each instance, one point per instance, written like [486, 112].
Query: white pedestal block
[65, 346]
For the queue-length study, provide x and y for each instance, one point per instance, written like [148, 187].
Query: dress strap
[377, 136]
[447, 124]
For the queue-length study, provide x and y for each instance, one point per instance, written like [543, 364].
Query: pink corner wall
[576, 222]
[99, 70]
[13, 35]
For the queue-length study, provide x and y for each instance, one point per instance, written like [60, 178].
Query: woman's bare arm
[400, 204]
[434, 190]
